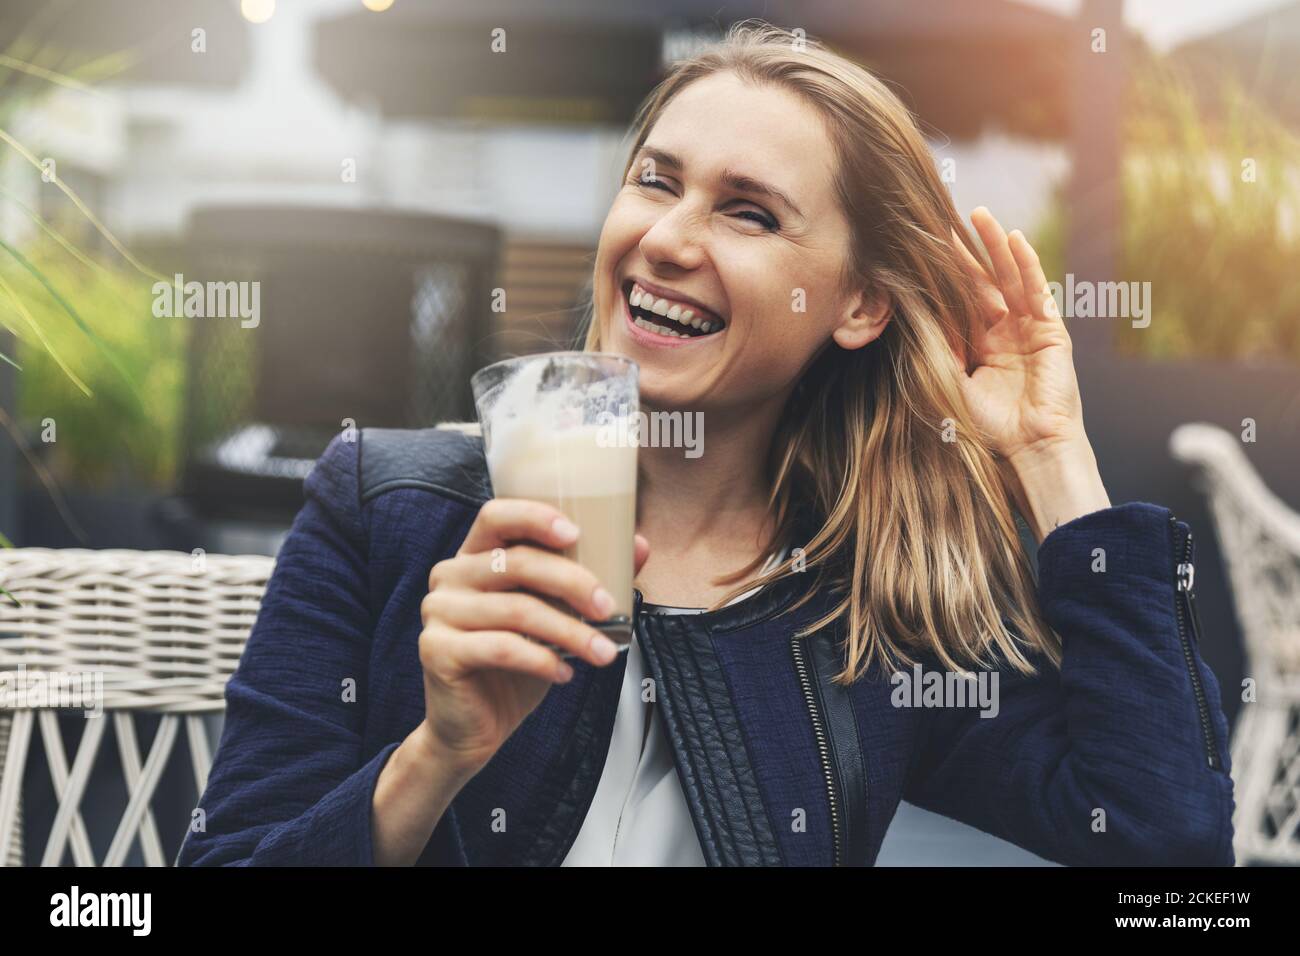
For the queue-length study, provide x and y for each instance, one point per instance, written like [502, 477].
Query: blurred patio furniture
[368, 317]
[1260, 540]
[426, 61]
[162, 630]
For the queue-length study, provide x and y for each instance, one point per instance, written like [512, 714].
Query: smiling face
[728, 216]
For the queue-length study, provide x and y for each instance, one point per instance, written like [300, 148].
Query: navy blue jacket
[1119, 757]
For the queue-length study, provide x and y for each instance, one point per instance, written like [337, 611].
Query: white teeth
[658, 329]
[674, 312]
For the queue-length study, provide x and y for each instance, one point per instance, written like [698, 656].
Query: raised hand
[1023, 392]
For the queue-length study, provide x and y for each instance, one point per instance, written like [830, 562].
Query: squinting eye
[767, 222]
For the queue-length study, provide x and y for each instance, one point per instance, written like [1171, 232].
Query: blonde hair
[916, 532]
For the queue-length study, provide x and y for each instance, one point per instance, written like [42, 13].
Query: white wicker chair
[1260, 540]
[162, 630]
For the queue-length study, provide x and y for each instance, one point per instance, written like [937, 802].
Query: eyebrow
[730, 178]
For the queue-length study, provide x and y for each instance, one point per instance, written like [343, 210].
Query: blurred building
[328, 109]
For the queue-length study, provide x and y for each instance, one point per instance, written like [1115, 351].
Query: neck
[720, 497]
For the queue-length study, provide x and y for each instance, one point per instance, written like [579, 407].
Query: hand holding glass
[559, 428]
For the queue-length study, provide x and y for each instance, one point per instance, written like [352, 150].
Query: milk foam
[541, 446]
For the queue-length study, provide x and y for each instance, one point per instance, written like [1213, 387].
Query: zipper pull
[1186, 571]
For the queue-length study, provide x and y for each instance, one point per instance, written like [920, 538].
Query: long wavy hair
[914, 509]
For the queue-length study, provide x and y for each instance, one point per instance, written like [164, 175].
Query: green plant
[127, 427]
[1211, 218]
[40, 286]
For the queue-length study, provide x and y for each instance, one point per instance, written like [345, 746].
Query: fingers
[1004, 262]
[532, 569]
[992, 306]
[517, 613]
[1038, 297]
[453, 654]
[972, 265]
[502, 521]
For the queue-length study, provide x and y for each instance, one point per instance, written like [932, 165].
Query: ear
[865, 318]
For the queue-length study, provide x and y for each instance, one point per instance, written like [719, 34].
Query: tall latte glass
[560, 427]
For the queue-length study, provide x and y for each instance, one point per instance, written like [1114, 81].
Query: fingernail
[604, 602]
[564, 529]
[564, 672]
[604, 649]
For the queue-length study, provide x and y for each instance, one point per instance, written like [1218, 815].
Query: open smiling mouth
[663, 316]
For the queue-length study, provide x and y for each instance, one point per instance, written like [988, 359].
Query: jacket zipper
[1185, 610]
[823, 748]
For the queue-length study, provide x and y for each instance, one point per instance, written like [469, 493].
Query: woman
[783, 258]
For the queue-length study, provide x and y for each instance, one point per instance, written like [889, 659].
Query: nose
[674, 241]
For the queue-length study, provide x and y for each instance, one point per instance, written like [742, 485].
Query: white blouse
[639, 815]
